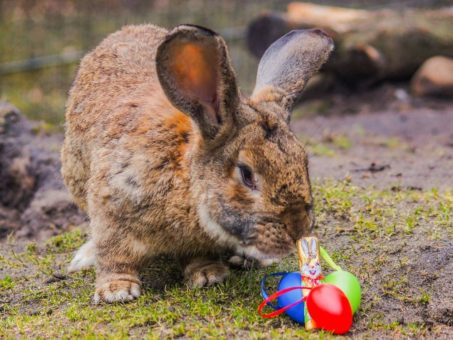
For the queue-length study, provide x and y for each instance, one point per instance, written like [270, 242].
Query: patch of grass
[400, 330]
[365, 230]
[314, 107]
[342, 142]
[424, 297]
[385, 212]
[6, 283]
[66, 242]
[392, 142]
[221, 311]
[320, 149]
[316, 148]
[46, 128]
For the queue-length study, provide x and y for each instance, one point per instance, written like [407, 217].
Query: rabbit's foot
[203, 272]
[247, 263]
[121, 289]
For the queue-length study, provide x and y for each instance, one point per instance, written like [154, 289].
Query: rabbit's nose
[297, 231]
[299, 221]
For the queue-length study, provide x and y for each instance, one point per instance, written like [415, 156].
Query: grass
[63, 307]
[39, 300]
[328, 146]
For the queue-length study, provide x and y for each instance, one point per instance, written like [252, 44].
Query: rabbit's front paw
[202, 272]
[117, 291]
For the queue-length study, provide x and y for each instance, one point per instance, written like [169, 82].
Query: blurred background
[41, 41]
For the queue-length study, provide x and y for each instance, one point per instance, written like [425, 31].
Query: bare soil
[382, 138]
[34, 203]
[387, 140]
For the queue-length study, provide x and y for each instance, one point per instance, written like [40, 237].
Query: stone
[434, 78]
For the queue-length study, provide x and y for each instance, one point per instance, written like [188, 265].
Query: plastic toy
[311, 299]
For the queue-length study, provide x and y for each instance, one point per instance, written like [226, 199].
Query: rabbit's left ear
[195, 73]
[288, 64]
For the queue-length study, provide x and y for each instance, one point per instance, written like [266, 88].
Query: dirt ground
[382, 167]
[391, 142]
[381, 138]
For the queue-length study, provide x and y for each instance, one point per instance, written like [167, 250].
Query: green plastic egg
[348, 284]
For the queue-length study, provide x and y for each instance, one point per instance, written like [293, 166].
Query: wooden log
[370, 45]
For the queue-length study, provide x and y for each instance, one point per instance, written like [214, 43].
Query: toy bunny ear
[288, 64]
[195, 73]
[305, 250]
[314, 247]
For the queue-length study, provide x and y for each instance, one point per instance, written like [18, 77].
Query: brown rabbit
[167, 157]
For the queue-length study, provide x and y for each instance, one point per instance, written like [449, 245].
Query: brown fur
[152, 156]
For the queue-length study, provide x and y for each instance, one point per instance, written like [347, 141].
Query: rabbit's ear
[288, 64]
[305, 251]
[314, 247]
[196, 75]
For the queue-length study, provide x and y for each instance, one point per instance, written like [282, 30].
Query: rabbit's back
[115, 96]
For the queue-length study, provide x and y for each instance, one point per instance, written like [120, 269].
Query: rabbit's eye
[247, 176]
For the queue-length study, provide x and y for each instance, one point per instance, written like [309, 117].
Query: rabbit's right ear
[196, 75]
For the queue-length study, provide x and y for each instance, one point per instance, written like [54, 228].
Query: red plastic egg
[330, 309]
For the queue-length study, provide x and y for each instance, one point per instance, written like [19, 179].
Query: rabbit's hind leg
[200, 272]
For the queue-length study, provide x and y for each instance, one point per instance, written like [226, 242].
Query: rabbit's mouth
[271, 240]
[258, 241]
